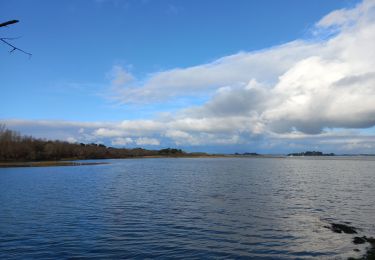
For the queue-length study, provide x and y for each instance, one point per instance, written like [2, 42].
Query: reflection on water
[191, 208]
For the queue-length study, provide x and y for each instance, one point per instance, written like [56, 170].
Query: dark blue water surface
[187, 208]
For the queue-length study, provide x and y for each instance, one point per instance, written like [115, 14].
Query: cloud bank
[315, 91]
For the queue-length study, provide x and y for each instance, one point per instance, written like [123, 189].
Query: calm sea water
[187, 208]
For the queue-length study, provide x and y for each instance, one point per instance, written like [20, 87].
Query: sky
[214, 76]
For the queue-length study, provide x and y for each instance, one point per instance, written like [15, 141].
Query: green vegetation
[170, 152]
[17, 148]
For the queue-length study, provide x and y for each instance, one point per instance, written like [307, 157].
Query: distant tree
[6, 40]
[16, 147]
[170, 151]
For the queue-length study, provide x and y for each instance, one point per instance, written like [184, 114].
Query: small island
[247, 154]
[311, 153]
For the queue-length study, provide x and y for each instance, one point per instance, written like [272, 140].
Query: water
[187, 208]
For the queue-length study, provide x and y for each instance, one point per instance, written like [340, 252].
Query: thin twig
[11, 39]
[14, 48]
[6, 39]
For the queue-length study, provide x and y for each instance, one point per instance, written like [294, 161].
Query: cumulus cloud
[147, 141]
[331, 86]
[228, 71]
[303, 85]
[71, 139]
[296, 94]
[121, 141]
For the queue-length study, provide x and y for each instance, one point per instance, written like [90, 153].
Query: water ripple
[186, 208]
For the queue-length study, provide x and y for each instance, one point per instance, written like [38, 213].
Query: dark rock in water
[370, 254]
[371, 240]
[339, 228]
[359, 240]
[342, 228]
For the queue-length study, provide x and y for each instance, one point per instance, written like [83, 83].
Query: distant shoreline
[46, 164]
[80, 162]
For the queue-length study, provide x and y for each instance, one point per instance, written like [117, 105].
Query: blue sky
[114, 71]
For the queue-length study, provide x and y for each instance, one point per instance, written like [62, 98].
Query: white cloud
[333, 86]
[147, 141]
[290, 95]
[120, 141]
[302, 85]
[180, 137]
[137, 126]
[107, 132]
[119, 78]
[238, 69]
[346, 17]
[129, 128]
[71, 139]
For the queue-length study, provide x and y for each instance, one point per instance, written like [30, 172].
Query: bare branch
[5, 40]
[14, 48]
[8, 23]
[11, 38]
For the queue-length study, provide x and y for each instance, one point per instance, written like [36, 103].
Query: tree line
[17, 147]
